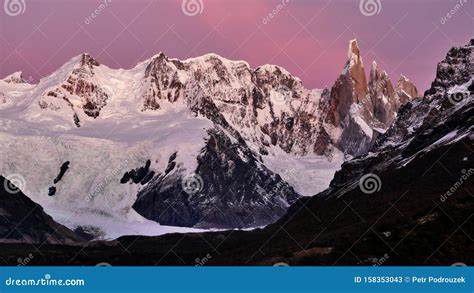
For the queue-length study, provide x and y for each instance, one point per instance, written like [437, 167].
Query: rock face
[80, 92]
[364, 110]
[230, 189]
[382, 96]
[22, 220]
[406, 90]
[443, 116]
[267, 105]
[349, 89]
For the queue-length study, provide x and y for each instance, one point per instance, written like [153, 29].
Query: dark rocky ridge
[230, 189]
[22, 220]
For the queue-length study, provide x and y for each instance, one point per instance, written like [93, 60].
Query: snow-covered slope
[90, 193]
[12, 88]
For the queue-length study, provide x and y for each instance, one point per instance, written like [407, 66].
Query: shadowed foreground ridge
[22, 220]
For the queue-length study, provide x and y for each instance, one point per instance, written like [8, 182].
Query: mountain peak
[358, 106]
[374, 65]
[213, 57]
[82, 60]
[353, 49]
[403, 78]
[406, 89]
[86, 59]
[376, 73]
[160, 55]
[16, 77]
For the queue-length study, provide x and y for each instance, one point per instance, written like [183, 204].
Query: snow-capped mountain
[267, 105]
[203, 142]
[11, 87]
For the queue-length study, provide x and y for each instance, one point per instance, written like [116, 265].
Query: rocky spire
[355, 68]
[382, 95]
[350, 88]
[363, 109]
[87, 60]
[406, 90]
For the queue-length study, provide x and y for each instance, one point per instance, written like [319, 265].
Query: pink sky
[307, 37]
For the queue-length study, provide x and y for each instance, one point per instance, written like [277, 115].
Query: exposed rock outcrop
[364, 110]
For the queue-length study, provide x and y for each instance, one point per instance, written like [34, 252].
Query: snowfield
[90, 192]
